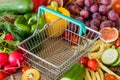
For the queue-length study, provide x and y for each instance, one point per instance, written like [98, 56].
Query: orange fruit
[31, 74]
[109, 34]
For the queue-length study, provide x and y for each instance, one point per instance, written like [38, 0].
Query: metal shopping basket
[52, 55]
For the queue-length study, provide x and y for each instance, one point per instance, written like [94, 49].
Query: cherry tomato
[24, 68]
[92, 64]
[110, 77]
[84, 60]
[117, 43]
[3, 75]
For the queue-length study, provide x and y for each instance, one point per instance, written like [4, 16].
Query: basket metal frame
[47, 68]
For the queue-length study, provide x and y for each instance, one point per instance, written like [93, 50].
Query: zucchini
[76, 72]
[110, 56]
[16, 6]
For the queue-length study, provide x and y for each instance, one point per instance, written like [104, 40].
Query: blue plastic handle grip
[42, 9]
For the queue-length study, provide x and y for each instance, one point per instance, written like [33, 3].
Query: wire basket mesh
[54, 51]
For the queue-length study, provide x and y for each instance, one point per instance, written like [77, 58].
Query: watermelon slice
[109, 34]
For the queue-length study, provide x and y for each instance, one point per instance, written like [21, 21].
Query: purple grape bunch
[94, 13]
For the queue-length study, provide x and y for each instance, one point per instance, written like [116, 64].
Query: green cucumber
[76, 72]
[16, 6]
[117, 63]
[110, 56]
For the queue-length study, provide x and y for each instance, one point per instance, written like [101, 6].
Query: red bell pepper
[38, 3]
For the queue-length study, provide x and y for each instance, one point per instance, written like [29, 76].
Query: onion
[3, 59]
[16, 58]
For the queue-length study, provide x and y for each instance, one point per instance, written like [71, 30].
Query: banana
[88, 74]
[101, 74]
[102, 47]
[97, 76]
[108, 45]
[104, 68]
[85, 78]
[96, 46]
[97, 55]
[93, 76]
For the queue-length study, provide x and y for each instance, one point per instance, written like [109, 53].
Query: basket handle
[42, 9]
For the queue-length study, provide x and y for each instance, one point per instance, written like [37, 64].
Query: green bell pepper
[41, 24]
[27, 24]
[22, 26]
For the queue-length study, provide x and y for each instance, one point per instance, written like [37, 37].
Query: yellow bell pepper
[58, 28]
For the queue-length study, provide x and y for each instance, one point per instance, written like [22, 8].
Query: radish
[16, 58]
[20, 50]
[10, 69]
[9, 36]
[3, 59]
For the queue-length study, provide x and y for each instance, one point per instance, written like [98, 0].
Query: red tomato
[24, 68]
[110, 77]
[9, 36]
[3, 75]
[84, 60]
[92, 64]
[116, 5]
[117, 43]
